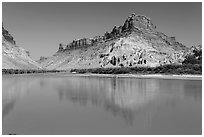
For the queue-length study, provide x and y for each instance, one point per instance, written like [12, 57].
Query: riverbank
[138, 76]
[142, 76]
[29, 71]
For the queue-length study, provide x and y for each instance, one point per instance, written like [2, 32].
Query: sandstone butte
[135, 43]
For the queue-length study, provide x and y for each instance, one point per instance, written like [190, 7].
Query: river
[56, 104]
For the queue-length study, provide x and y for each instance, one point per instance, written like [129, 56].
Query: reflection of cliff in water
[14, 89]
[125, 97]
[196, 87]
[7, 107]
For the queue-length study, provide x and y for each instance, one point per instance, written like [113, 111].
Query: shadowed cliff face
[135, 43]
[13, 56]
[6, 36]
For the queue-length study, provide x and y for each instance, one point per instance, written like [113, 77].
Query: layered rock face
[135, 43]
[132, 23]
[6, 36]
[13, 56]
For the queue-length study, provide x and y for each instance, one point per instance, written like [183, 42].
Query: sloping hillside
[136, 43]
[13, 56]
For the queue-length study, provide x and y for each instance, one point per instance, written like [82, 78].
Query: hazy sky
[40, 27]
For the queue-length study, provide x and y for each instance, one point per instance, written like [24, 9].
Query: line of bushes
[165, 69]
[22, 71]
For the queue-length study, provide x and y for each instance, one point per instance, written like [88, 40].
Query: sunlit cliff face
[135, 43]
[13, 56]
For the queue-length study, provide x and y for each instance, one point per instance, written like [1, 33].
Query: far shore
[138, 76]
[148, 76]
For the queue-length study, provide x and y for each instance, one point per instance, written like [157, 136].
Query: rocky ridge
[135, 43]
[13, 56]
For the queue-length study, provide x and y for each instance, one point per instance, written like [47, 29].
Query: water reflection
[133, 100]
[122, 97]
[15, 88]
[8, 107]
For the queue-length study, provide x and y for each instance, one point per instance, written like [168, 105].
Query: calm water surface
[57, 104]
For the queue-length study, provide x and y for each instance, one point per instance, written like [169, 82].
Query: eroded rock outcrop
[135, 43]
[41, 59]
[61, 48]
[6, 36]
[134, 23]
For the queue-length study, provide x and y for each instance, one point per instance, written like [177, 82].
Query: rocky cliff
[13, 56]
[135, 43]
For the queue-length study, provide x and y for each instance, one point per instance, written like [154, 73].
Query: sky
[40, 27]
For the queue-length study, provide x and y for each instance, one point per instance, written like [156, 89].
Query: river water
[56, 104]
